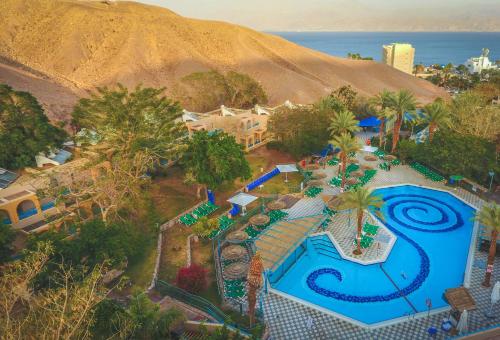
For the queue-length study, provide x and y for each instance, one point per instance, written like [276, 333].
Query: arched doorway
[4, 217]
[26, 209]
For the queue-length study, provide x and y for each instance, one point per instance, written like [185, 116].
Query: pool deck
[342, 232]
[289, 319]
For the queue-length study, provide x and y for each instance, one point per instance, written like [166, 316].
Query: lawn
[141, 271]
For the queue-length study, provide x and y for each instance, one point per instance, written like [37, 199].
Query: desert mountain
[84, 44]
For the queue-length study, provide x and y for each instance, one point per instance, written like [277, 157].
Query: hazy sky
[295, 15]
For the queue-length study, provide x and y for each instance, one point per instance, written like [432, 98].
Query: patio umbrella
[495, 297]
[370, 158]
[366, 167]
[463, 322]
[233, 252]
[259, 220]
[276, 205]
[335, 202]
[390, 157]
[357, 173]
[237, 237]
[353, 160]
[237, 270]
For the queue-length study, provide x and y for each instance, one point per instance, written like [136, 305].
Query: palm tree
[489, 216]
[347, 144]
[436, 114]
[401, 102]
[361, 200]
[385, 116]
[343, 122]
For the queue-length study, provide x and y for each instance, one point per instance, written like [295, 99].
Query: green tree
[25, 130]
[204, 226]
[347, 144]
[7, 236]
[401, 102]
[214, 159]
[343, 122]
[436, 115]
[361, 199]
[329, 105]
[345, 95]
[147, 321]
[381, 104]
[489, 216]
[472, 115]
[299, 131]
[206, 91]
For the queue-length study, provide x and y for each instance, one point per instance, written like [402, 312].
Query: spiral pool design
[433, 230]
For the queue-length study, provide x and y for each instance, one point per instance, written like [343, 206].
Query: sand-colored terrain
[82, 44]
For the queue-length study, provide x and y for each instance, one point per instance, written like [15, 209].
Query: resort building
[55, 157]
[249, 127]
[477, 64]
[21, 207]
[399, 56]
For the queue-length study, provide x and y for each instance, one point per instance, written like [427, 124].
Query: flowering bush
[192, 278]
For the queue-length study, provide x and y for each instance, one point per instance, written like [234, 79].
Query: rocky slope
[84, 44]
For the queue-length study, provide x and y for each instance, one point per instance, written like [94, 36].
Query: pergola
[281, 239]
[286, 168]
[242, 199]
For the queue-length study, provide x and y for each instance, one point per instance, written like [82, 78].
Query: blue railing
[48, 205]
[262, 179]
[27, 213]
[6, 221]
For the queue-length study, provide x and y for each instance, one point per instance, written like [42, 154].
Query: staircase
[322, 245]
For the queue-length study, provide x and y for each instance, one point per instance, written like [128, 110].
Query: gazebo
[286, 168]
[242, 200]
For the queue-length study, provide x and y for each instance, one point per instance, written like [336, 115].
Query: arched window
[4, 217]
[26, 209]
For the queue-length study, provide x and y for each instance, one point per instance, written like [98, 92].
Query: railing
[6, 221]
[199, 303]
[48, 205]
[27, 213]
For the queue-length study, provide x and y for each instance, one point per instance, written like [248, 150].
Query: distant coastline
[431, 47]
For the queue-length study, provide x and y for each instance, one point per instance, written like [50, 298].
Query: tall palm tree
[401, 102]
[386, 115]
[254, 279]
[343, 122]
[436, 114]
[347, 144]
[361, 199]
[489, 216]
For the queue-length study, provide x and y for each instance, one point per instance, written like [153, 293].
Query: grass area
[141, 271]
[277, 184]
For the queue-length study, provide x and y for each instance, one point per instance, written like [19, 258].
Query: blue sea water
[430, 47]
[433, 230]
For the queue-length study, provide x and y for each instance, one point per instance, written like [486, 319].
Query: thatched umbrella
[237, 237]
[259, 220]
[233, 252]
[335, 203]
[390, 157]
[254, 279]
[319, 175]
[357, 173]
[353, 160]
[234, 271]
[314, 183]
[276, 205]
[352, 181]
[370, 158]
[366, 167]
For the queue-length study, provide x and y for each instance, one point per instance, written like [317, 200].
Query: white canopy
[287, 168]
[242, 199]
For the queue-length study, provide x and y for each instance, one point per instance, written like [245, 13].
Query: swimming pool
[434, 231]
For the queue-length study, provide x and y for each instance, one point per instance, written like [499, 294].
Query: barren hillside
[87, 44]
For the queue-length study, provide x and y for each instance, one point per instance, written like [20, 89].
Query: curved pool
[434, 231]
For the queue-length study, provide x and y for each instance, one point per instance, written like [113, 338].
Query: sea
[430, 47]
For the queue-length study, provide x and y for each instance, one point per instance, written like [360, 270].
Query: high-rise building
[399, 56]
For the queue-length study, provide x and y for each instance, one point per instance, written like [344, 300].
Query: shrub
[192, 278]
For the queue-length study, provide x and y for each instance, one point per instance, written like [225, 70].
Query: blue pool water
[434, 231]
